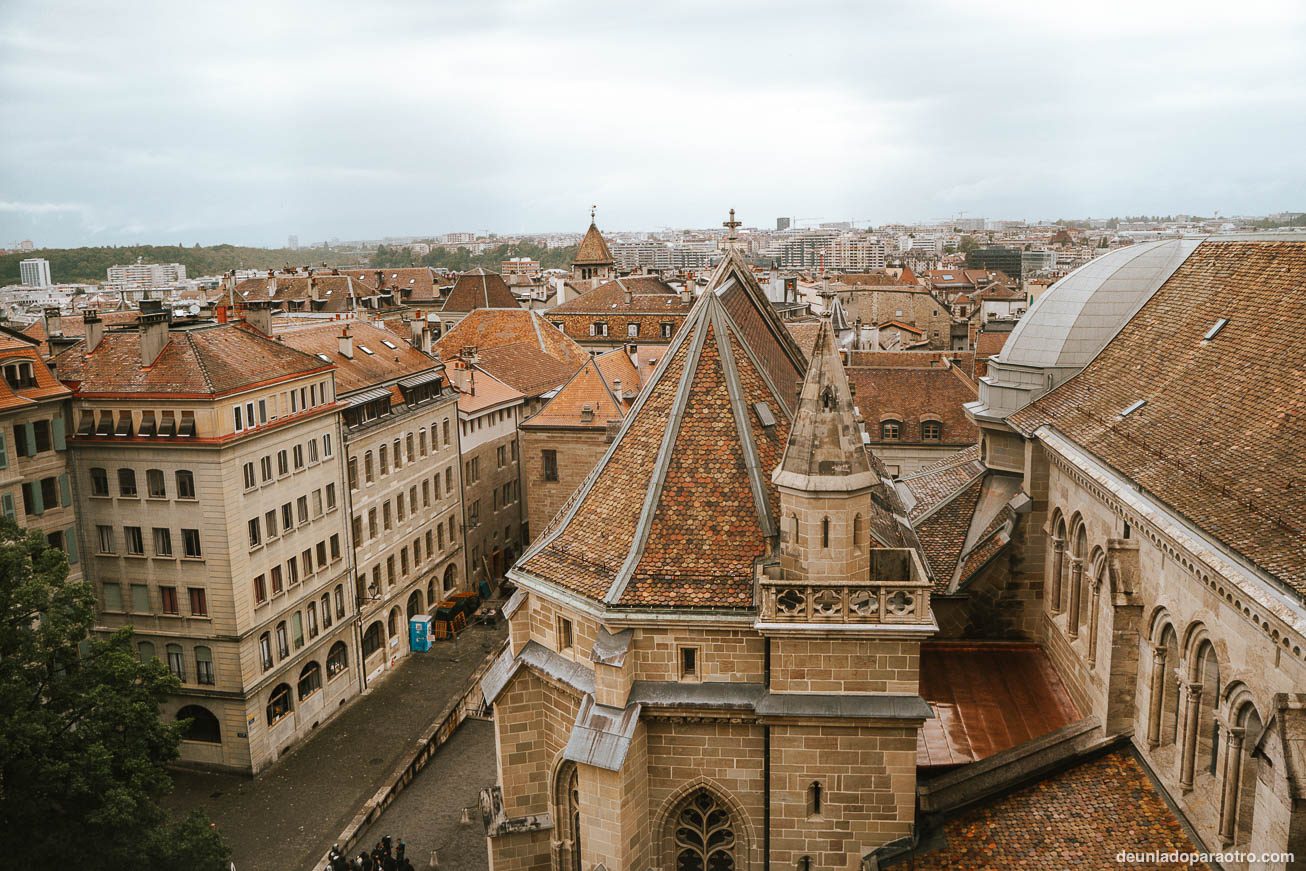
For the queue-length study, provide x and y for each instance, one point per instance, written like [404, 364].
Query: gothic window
[705, 838]
[567, 797]
[815, 793]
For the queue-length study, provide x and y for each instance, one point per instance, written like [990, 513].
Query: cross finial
[732, 224]
[592, 210]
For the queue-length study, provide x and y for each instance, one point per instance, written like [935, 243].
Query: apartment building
[210, 486]
[400, 438]
[35, 490]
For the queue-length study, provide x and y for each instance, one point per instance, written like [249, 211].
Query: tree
[967, 245]
[82, 749]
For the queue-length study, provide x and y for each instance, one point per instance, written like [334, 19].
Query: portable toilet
[419, 633]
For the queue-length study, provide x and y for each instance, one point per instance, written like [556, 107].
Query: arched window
[931, 431]
[186, 484]
[1170, 700]
[1243, 771]
[337, 659]
[567, 808]
[414, 604]
[265, 650]
[145, 650]
[814, 798]
[1208, 727]
[450, 578]
[326, 610]
[392, 622]
[279, 704]
[203, 726]
[704, 835]
[825, 532]
[154, 485]
[283, 640]
[430, 594]
[176, 661]
[373, 639]
[890, 430]
[310, 680]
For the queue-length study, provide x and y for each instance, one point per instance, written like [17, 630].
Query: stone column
[1072, 610]
[1092, 622]
[1233, 769]
[1192, 709]
[1155, 702]
[1058, 557]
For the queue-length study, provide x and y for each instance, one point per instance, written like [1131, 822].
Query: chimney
[153, 325]
[258, 314]
[416, 327]
[53, 322]
[346, 343]
[626, 295]
[94, 328]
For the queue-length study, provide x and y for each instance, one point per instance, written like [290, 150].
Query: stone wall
[578, 452]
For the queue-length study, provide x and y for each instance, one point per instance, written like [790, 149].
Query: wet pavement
[286, 818]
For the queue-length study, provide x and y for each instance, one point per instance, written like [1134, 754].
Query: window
[500, 457]
[298, 453]
[162, 542]
[825, 532]
[279, 703]
[199, 602]
[292, 572]
[632, 330]
[105, 539]
[383, 457]
[260, 589]
[287, 517]
[99, 482]
[689, 663]
[312, 619]
[113, 597]
[168, 596]
[249, 476]
[202, 725]
[275, 575]
[353, 473]
[599, 328]
[265, 650]
[265, 468]
[931, 431]
[190, 542]
[666, 330]
[283, 463]
[814, 797]
[283, 641]
[145, 650]
[255, 533]
[310, 680]
[270, 524]
[398, 454]
[127, 483]
[176, 664]
[321, 554]
[135, 541]
[373, 639]
[204, 666]
[340, 601]
[367, 467]
[238, 417]
[444, 425]
[312, 451]
[154, 484]
[326, 611]
[301, 509]
[565, 639]
[704, 835]
[186, 482]
[890, 430]
[20, 375]
[335, 546]
[337, 659]
[326, 445]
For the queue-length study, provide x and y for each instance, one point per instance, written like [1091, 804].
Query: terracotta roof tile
[649, 295]
[1221, 437]
[593, 249]
[804, 333]
[317, 291]
[479, 289]
[491, 328]
[912, 394]
[525, 367]
[415, 284]
[932, 484]
[365, 370]
[943, 533]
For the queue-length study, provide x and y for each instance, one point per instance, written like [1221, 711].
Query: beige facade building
[400, 437]
[210, 488]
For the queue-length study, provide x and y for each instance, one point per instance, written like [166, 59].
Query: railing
[895, 590]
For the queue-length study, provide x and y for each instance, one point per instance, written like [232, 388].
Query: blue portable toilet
[419, 633]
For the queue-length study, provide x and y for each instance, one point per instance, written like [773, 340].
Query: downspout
[766, 767]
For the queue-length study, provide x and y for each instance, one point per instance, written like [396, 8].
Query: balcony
[895, 592]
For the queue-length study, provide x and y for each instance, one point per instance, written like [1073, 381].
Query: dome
[1078, 315]
[1068, 325]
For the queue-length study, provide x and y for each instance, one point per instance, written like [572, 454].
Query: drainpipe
[766, 768]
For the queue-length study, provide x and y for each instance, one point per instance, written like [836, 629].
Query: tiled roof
[385, 364]
[675, 513]
[1220, 438]
[943, 533]
[900, 359]
[204, 362]
[416, 284]
[874, 278]
[316, 291]
[912, 394]
[649, 295]
[932, 484]
[499, 327]
[479, 289]
[588, 389]
[482, 391]
[593, 250]
[525, 367]
[1081, 817]
[74, 326]
[804, 333]
[989, 344]
[14, 345]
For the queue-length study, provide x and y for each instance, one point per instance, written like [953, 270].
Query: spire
[732, 235]
[825, 451]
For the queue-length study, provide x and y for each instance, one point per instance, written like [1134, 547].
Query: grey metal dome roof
[1069, 324]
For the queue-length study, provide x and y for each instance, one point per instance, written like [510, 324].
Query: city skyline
[516, 117]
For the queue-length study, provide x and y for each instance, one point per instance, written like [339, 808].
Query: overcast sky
[245, 122]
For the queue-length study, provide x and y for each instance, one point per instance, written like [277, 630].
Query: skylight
[764, 415]
[1215, 329]
[324, 358]
[389, 344]
[1133, 407]
[365, 349]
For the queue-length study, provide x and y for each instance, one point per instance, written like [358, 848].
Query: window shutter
[65, 492]
[56, 426]
[29, 429]
[70, 545]
[38, 504]
[7, 504]
[4, 451]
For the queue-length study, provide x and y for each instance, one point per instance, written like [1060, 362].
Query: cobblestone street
[286, 818]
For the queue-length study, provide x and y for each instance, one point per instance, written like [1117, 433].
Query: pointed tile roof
[825, 443]
[587, 389]
[479, 288]
[678, 509]
[593, 250]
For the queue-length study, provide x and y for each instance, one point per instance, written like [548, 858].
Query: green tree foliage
[91, 265]
[967, 245]
[82, 749]
[462, 259]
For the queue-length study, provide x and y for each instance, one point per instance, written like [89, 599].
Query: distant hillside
[78, 265]
[462, 259]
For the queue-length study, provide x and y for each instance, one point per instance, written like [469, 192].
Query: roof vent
[764, 414]
[1133, 407]
[1215, 329]
[586, 413]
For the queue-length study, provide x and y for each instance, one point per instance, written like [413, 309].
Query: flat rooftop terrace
[987, 697]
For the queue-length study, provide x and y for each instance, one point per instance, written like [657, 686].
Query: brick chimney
[94, 328]
[258, 314]
[346, 343]
[53, 322]
[153, 325]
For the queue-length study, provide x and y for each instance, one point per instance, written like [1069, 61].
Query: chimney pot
[346, 343]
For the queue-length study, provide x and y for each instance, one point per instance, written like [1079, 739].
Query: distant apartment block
[146, 276]
[35, 272]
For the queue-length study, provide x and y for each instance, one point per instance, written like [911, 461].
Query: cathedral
[725, 650]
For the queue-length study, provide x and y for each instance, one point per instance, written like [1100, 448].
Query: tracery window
[705, 838]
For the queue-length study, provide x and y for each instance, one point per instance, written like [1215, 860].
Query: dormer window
[19, 375]
[931, 430]
[890, 430]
